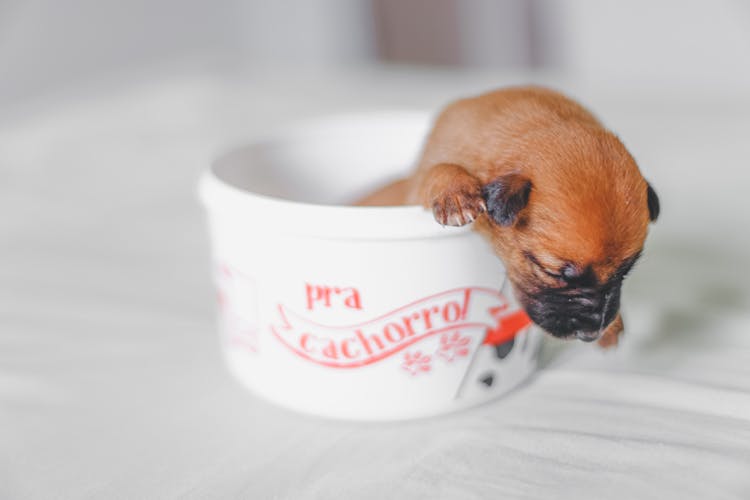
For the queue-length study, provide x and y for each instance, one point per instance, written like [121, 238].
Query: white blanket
[111, 382]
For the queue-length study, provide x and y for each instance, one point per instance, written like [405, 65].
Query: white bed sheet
[112, 386]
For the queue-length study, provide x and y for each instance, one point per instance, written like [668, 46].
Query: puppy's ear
[505, 197]
[653, 203]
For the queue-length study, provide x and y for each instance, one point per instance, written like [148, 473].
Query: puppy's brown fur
[558, 196]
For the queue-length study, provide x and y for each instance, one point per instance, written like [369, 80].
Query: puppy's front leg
[452, 193]
[611, 335]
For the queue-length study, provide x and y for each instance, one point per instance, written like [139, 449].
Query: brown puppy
[557, 195]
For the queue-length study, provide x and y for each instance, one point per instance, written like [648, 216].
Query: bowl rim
[229, 201]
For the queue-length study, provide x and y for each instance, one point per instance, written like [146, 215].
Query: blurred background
[46, 45]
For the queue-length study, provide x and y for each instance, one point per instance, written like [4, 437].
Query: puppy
[558, 197]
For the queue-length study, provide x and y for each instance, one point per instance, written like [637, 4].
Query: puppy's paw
[611, 335]
[459, 207]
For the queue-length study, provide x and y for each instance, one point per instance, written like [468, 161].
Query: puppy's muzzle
[581, 313]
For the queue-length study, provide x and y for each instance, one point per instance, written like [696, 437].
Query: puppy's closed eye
[544, 269]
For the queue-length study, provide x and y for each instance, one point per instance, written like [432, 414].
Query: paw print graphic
[453, 345]
[416, 362]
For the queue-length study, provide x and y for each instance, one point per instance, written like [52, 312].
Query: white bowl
[367, 313]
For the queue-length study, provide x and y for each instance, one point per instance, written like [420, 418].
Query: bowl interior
[304, 179]
[333, 161]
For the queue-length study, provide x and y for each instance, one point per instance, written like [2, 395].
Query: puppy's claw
[458, 209]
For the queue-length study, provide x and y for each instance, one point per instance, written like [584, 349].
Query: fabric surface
[111, 381]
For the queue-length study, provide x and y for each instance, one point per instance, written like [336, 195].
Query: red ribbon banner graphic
[480, 310]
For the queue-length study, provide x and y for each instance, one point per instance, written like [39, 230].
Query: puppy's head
[569, 226]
